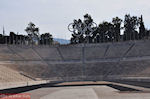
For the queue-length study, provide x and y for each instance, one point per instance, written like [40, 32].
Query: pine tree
[142, 32]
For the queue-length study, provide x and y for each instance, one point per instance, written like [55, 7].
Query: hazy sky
[54, 15]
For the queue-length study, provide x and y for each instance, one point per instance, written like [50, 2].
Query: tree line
[32, 37]
[133, 29]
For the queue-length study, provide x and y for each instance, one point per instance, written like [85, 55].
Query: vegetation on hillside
[132, 28]
[33, 37]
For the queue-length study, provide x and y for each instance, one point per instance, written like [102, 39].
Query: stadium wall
[81, 61]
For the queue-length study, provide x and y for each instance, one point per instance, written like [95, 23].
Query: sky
[53, 16]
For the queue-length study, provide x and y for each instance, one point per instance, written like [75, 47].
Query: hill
[62, 41]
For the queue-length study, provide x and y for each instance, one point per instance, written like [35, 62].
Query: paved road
[86, 92]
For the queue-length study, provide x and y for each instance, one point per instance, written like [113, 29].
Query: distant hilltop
[62, 41]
